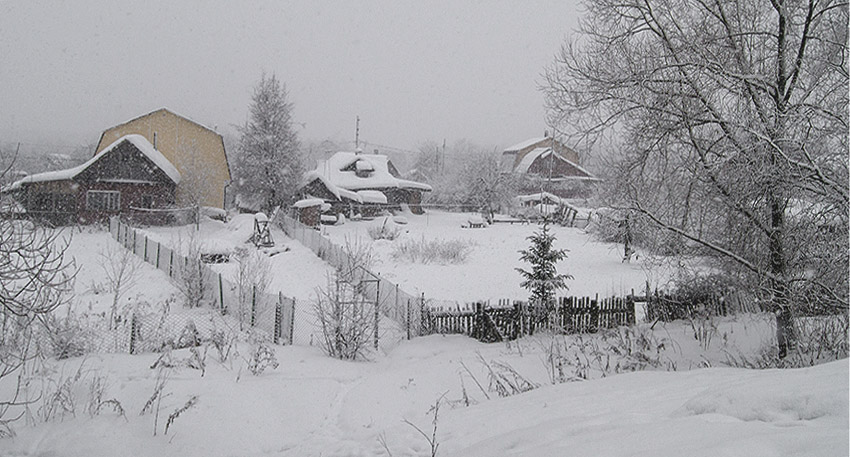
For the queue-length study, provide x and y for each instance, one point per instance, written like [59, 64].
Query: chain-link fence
[399, 313]
[240, 308]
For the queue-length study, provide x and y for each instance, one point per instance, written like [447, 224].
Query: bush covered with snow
[432, 251]
[384, 229]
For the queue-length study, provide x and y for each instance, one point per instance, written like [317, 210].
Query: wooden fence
[511, 320]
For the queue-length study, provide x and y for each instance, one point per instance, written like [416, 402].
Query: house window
[103, 200]
[147, 201]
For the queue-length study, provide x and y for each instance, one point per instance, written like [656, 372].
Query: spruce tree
[543, 280]
[269, 164]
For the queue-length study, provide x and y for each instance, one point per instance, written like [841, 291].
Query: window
[103, 200]
[147, 201]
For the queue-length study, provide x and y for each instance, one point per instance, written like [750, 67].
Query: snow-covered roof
[335, 173]
[524, 144]
[138, 141]
[529, 158]
[372, 196]
[338, 192]
[308, 202]
[536, 153]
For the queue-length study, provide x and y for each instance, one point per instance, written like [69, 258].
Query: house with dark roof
[127, 174]
[353, 182]
[547, 160]
[195, 150]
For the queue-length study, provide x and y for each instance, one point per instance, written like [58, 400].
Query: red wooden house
[129, 174]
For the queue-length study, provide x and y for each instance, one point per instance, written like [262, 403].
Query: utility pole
[443, 156]
[357, 134]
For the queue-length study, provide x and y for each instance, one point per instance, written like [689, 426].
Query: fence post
[133, 331]
[377, 310]
[408, 314]
[478, 322]
[135, 233]
[292, 323]
[146, 248]
[253, 304]
[222, 309]
[158, 245]
[594, 315]
[171, 264]
[517, 320]
[278, 317]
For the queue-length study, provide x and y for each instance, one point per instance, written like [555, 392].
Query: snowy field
[687, 402]
[313, 405]
[489, 271]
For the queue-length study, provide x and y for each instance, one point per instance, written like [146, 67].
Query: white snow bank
[640, 414]
[791, 397]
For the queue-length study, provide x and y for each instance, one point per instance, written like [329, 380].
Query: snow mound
[794, 399]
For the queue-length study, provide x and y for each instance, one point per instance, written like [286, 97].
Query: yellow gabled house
[196, 151]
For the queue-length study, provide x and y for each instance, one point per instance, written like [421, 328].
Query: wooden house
[196, 151]
[544, 157]
[126, 174]
[357, 183]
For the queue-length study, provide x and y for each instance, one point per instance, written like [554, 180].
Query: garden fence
[268, 315]
[511, 319]
[403, 309]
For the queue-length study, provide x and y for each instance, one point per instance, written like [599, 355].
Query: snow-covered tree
[543, 281]
[730, 121]
[269, 164]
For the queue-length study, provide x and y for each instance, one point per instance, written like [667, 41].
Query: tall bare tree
[731, 121]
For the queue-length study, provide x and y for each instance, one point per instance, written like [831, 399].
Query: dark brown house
[129, 177]
[547, 160]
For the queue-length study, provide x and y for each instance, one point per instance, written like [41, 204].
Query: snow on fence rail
[401, 307]
[270, 314]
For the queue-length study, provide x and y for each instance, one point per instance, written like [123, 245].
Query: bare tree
[466, 175]
[731, 121]
[253, 276]
[34, 280]
[120, 267]
[344, 314]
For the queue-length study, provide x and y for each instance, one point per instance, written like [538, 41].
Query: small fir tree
[543, 280]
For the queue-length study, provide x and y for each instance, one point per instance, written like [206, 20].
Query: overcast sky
[412, 71]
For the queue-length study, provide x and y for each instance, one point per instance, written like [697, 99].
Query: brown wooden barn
[129, 174]
[548, 160]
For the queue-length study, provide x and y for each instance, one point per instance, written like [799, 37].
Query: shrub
[346, 320]
[385, 230]
[432, 251]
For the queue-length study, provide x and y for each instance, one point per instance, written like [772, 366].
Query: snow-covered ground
[313, 405]
[489, 271]
[294, 269]
[688, 403]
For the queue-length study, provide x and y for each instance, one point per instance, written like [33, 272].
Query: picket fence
[270, 315]
[509, 320]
